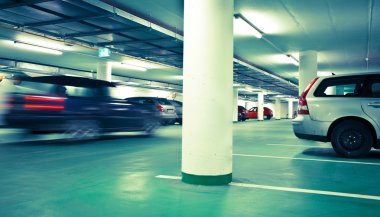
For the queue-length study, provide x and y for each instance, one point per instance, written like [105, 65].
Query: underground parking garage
[189, 108]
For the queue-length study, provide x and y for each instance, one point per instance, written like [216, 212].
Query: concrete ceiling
[343, 32]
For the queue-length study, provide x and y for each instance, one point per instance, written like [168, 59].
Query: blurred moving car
[81, 108]
[343, 109]
[178, 109]
[268, 113]
[242, 113]
[166, 109]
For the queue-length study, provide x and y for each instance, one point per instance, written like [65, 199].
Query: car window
[341, 87]
[147, 102]
[27, 87]
[375, 89]
[163, 102]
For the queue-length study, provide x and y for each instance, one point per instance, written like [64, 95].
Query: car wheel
[268, 117]
[244, 119]
[352, 139]
[150, 127]
[82, 130]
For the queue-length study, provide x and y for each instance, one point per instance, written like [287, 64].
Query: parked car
[178, 109]
[166, 110]
[343, 110]
[80, 108]
[253, 112]
[242, 113]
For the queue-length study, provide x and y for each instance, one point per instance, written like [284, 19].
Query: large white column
[308, 68]
[247, 104]
[290, 108]
[235, 98]
[260, 106]
[207, 88]
[104, 71]
[277, 107]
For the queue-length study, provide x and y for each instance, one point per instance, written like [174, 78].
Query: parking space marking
[309, 159]
[309, 146]
[297, 190]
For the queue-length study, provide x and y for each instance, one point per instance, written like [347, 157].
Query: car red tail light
[44, 98]
[44, 107]
[160, 108]
[44, 103]
[302, 103]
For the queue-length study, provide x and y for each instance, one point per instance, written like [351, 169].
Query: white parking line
[308, 159]
[298, 190]
[308, 146]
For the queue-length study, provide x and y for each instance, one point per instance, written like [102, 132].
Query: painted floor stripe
[298, 190]
[308, 159]
[308, 146]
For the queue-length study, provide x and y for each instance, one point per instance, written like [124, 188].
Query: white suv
[343, 110]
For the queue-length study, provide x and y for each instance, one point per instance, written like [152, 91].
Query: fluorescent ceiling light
[323, 73]
[242, 26]
[293, 60]
[37, 48]
[141, 63]
[128, 66]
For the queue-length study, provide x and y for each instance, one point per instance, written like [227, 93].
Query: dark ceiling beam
[152, 49]
[22, 3]
[95, 26]
[67, 20]
[101, 32]
[134, 41]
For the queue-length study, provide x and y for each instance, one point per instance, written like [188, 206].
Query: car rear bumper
[305, 128]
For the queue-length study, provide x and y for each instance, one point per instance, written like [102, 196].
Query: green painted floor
[116, 177]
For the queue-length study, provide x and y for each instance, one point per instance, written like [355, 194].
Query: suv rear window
[341, 87]
[163, 101]
[375, 90]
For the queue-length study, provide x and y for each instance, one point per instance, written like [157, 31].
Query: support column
[104, 71]
[278, 109]
[308, 69]
[260, 106]
[207, 88]
[235, 98]
[246, 105]
[290, 108]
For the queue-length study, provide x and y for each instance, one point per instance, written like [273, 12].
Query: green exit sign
[104, 52]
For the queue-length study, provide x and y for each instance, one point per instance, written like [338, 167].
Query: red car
[268, 113]
[242, 113]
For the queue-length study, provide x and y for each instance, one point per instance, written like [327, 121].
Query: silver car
[166, 109]
[343, 110]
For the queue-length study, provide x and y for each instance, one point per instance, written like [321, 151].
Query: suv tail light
[160, 108]
[44, 103]
[302, 103]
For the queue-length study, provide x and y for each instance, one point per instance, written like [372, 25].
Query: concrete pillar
[290, 108]
[277, 107]
[308, 69]
[207, 88]
[247, 105]
[104, 71]
[260, 106]
[235, 98]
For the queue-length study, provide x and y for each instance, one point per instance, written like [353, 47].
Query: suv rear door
[371, 103]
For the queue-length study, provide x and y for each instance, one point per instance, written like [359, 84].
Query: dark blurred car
[178, 110]
[166, 110]
[242, 113]
[81, 108]
[268, 113]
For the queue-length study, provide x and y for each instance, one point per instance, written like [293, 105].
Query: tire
[352, 139]
[150, 127]
[268, 117]
[244, 119]
[82, 130]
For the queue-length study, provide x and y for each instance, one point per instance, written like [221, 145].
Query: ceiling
[343, 32]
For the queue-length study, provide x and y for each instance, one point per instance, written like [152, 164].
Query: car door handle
[374, 104]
